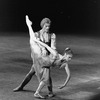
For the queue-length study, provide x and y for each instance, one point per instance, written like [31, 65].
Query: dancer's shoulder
[53, 35]
[37, 34]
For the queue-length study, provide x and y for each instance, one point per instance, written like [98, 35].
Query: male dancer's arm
[53, 41]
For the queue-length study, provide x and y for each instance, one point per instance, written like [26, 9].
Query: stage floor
[15, 62]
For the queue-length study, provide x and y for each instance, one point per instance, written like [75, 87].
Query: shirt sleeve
[53, 41]
[37, 35]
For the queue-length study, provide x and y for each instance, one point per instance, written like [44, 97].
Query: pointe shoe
[37, 95]
[17, 89]
[28, 21]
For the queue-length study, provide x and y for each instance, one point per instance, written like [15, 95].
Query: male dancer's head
[45, 24]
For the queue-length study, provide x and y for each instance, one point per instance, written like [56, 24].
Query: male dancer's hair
[45, 20]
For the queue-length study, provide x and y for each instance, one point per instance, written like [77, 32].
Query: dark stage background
[72, 16]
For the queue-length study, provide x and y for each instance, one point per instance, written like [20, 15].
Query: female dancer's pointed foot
[28, 22]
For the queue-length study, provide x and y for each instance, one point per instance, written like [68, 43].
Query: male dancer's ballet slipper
[18, 89]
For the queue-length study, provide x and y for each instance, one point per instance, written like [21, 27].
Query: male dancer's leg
[50, 88]
[50, 85]
[25, 81]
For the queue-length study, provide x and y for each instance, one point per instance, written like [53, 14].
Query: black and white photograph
[49, 49]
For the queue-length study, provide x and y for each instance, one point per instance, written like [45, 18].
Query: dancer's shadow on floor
[26, 90]
[56, 97]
